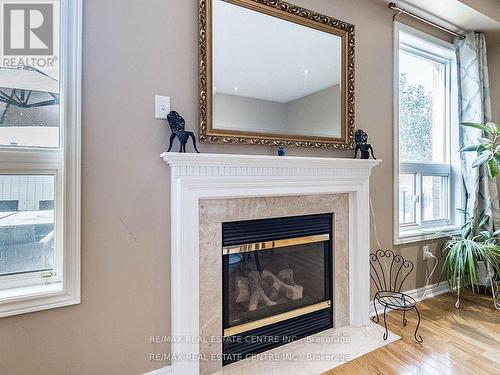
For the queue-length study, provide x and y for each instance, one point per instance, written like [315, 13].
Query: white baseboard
[167, 370]
[419, 294]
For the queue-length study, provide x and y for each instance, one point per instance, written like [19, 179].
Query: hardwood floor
[464, 341]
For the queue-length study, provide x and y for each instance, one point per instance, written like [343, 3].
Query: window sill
[418, 235]
[35, 298]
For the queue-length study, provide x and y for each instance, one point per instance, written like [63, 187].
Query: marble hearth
[209, 189]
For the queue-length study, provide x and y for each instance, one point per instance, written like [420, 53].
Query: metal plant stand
[491, 279]
[495, 290]
[487, 278]
[389, 271]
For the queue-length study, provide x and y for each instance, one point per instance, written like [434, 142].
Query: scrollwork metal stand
[389, 282]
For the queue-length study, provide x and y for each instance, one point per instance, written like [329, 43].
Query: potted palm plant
[473, 257]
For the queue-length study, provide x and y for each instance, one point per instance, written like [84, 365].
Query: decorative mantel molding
[206, 176]
[219, 164]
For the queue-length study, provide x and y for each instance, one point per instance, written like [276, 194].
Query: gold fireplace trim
[245, 327]
[267, 245]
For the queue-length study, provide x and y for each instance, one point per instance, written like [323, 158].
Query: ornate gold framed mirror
[273, 73]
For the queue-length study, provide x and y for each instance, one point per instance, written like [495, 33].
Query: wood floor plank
[464, 341]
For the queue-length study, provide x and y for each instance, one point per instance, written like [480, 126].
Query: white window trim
[59, 290]
[457, 191]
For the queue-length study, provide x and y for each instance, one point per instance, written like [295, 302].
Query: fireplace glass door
[266, 283]
[276, 271]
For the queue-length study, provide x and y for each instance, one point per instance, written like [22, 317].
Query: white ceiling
[490, 8]
[457, 15]
[267, 58]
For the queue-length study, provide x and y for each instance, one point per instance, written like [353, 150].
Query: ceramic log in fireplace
[277, 277]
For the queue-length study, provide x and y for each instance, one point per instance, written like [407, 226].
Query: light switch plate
[162, 106]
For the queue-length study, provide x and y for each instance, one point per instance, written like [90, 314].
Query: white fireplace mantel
[205, 176]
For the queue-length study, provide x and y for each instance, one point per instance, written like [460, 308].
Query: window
[39, 155]
[428, 188]
[26, 233]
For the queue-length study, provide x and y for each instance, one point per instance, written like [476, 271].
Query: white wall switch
[162, 106]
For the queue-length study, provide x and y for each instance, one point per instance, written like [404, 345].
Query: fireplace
[208, 190]
[277, 282]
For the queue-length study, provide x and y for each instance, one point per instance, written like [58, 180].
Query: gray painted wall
[315, 114]
[233, 112]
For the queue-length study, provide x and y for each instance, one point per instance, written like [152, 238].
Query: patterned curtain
[475, 106]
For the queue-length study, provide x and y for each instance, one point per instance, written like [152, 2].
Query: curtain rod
[393, 6]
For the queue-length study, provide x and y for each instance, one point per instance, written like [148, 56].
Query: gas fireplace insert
[277, 282]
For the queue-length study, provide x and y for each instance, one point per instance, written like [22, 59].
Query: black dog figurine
[360, 137]
[177, 124]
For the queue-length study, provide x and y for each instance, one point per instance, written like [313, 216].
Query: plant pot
[484, 273]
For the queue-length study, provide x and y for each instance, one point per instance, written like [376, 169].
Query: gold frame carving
[292, 13]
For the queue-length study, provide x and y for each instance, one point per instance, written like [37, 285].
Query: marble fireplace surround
[217, 211]
[208, 188]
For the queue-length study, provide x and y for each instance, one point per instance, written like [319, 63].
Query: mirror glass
[274, 76]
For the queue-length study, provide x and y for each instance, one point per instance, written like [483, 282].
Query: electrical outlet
[426, 252]
[162, 106]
